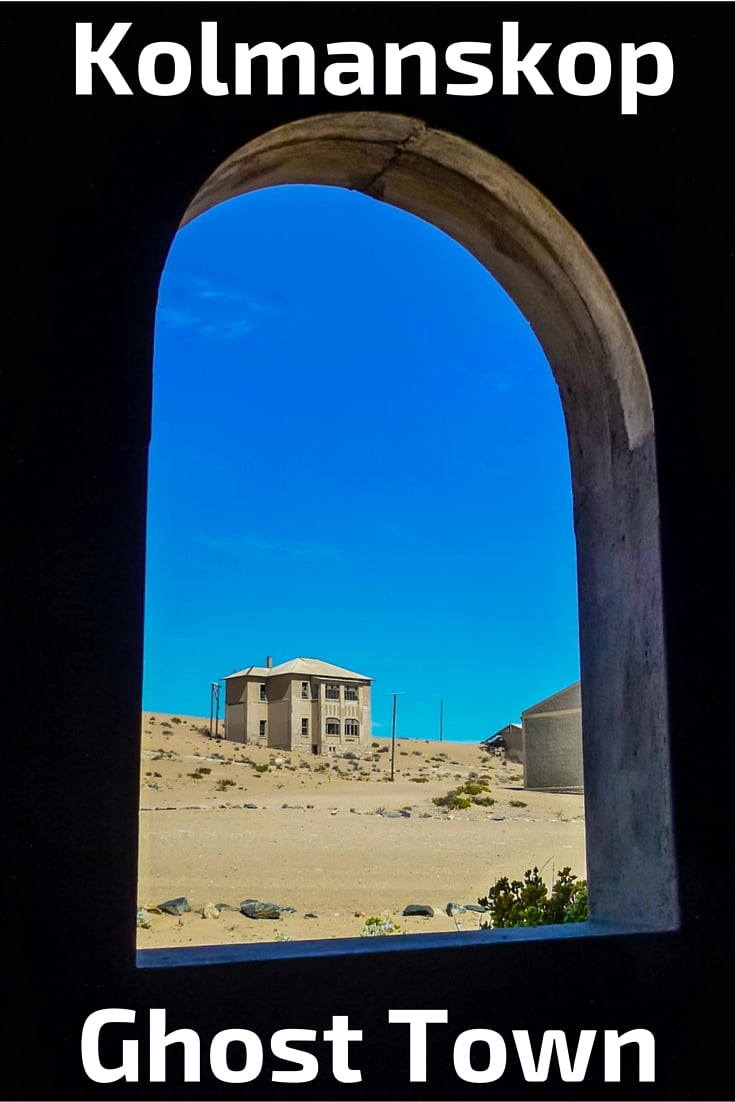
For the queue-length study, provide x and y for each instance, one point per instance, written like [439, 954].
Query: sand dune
[331, 837]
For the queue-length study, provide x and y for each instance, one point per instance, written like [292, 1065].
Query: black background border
[94, 188]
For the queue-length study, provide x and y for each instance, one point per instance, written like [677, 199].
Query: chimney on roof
[269, 663]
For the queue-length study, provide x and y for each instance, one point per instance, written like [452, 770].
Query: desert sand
[331, 837]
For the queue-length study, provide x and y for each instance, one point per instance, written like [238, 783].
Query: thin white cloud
[218, 313]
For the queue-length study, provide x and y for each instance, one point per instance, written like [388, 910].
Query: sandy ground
[315, 842]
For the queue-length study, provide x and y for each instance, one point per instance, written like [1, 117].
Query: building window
[304, 728]
[352, 728]
[262, 693]
[351, 692]
[261, 728]
[304, 690]
[332, 727]
[331, 692]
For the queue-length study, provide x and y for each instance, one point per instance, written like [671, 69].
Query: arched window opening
[517, 236]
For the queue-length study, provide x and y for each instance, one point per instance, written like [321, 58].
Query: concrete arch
[547, 269]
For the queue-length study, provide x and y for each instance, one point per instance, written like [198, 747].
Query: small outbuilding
[552, 742]
[508, 738]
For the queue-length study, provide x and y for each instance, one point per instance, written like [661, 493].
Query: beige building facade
[303, 704]
[552, 741]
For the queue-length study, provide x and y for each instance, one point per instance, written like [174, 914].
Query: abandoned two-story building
[298, 705]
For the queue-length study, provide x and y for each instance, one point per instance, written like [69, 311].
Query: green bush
[375, 926]
[474, 789]
[527, 902]
[464, 796]
[453, 801]
[223, 783]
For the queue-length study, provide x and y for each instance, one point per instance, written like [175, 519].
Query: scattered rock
[225, 907]
[143, 919]
[253, 908]
[175, 906]
[455, 909]
[498, 818]
[253, 807]
[476, 907]
[310, 915]
[209, 910]
[422, 909]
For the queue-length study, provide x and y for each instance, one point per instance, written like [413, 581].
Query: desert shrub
[527, 902]
[473, 789]
[375, 926]
[203, 769]
[515, 777]
[175, 719]
[375, 745]
[419, 780]
[223, 783]
[453, 801]
[383, 750]
[517, 803]
[264, 768]
[195, 776]
[483, 801]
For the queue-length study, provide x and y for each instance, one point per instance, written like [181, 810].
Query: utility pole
[393, 734]
[214, 708]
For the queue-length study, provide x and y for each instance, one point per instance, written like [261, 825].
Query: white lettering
[340, 1035]
[496, 1055]
[147, 69]
[456, 62]
[86, 57]
[513, 65]
[417, 1036]
[253, 1055]
[307, 1061]
[362, 67]
[128, 1069]
[210, 82]
[160, 1041]
[554, 1038]
[427, 67]
[275, 56]
[646, 1054]
[631, 86]
[568, 69]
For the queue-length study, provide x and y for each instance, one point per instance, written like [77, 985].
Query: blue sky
[358, 454]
